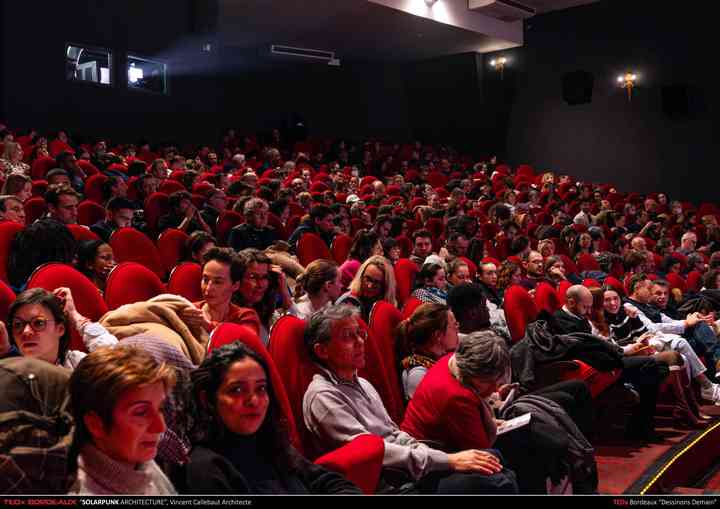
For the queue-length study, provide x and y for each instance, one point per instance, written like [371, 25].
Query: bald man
[574, 315]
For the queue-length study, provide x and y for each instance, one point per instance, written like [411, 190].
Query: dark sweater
[242, 469]
[245, 236]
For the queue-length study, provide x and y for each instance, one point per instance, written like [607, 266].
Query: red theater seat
[185, 281]
[94, 188]
[81, 233]
[90, 212]
[35, 208]
[341, 248]
[8, 232]
[156, 206]
[227, 220]
[130, 282]
[87, 297]
[520, 310]
[130, 245]
[171, 245]
[311, 247]
[7, 297]
[405, 271]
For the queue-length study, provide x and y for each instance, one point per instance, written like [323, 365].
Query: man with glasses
[339, 406]
[11, 209]
[255, 232]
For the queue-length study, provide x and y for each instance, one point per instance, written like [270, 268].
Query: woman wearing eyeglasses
[39, 325]
[373, 282]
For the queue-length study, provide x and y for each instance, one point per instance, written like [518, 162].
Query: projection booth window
[85, 63]
[148, 75]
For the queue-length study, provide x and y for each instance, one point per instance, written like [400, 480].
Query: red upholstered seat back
[227, 220]
[185, 281]
[311, 247]
[287, 347]
[169, 186]
[8, 232]
[405, 245]
[546, 298]
[341, 248]
[171, 245]
[90, 212]
[81, 233]
[520, 310]
[384, 319]
[676, 281]
[410, 306]
[87, 297]
[227, 333]
[405, 271]
[587, 262]
[156, 206]
[275, 223]
[93, 188]
[131, 282]
[130, 245]
[35, 208]
[7, 297]
[694, 281]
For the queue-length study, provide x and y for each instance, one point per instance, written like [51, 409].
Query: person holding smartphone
[183, 215]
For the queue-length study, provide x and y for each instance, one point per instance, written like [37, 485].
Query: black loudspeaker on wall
[676, 101]
[577, 87]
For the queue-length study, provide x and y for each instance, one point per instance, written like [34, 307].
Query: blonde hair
[383, 264]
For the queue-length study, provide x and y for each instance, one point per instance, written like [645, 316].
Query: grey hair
[319, 327]
[482, 354]
[252, 204]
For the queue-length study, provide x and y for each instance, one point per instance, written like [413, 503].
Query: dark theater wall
[36, 93]
[633, 144]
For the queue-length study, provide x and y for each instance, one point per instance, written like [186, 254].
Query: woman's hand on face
[65, 297]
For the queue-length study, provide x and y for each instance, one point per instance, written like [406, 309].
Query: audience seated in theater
[319, 222]
[644, 373]
[222, 275]
[365, 244]
[183, 215]
[62, 202]
[58, 177]
[458, 272]
[19, 186]
[255, 232]
[533, 265]
[117, 397]
[452, 407]
[244, 446]
[145, 185]
[67, 161]
[422, 247]
[262, 285]
[41, 242]
[11, 209]
[431, 284]
[374, 281]
[215, 203]
[38, 325]
[554, 270]
[427, 335]
[321, 284]
[114, 187]
[469, 301]
[120, 213]
[197, 244]
[12, 160]
[391, 250]
[627, 330]
[339, 406]
[95, 260]
[696, 327]
[510, 273]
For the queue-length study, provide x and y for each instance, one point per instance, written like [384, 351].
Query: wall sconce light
[499, 64]
[430, 3]
[627, 81]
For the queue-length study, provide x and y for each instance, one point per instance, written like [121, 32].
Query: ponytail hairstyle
[315, 276]
[418, 330]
